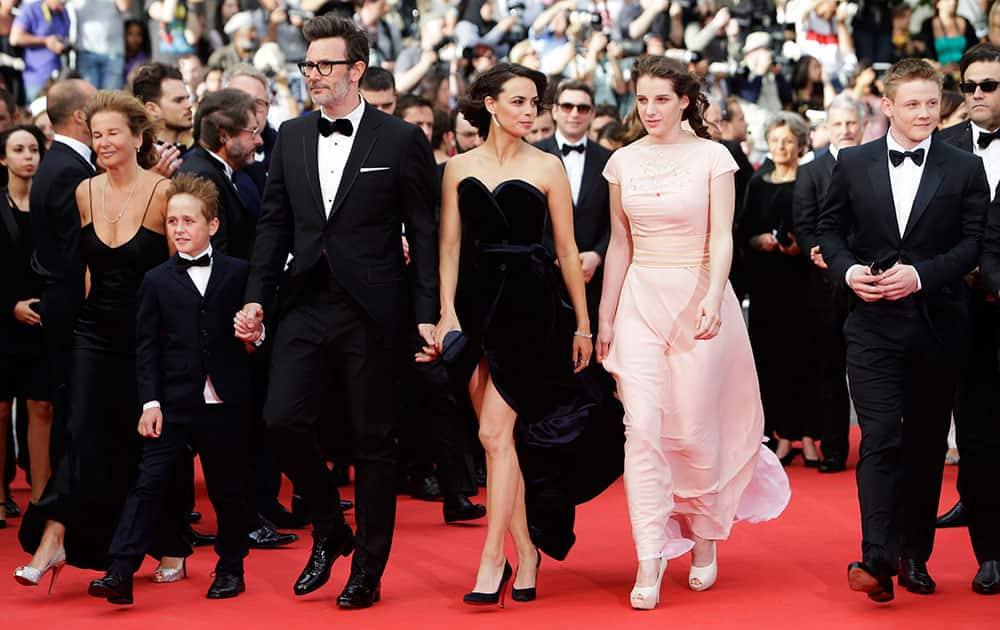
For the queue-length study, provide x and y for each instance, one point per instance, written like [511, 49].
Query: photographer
[713, 32]
[281, 21]
[555, 38]
[600, 66]
[436, 52]
[656, 18]
[42, 29]
[478, 25]
[383, 36]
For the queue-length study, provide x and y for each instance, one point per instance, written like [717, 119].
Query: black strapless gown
[514, 310]
[89, 484]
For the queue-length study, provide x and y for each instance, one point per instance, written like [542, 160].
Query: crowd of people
[489, 195]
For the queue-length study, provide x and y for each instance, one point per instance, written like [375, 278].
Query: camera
[447, 40]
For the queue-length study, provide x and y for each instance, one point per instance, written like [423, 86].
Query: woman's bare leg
[39, 429]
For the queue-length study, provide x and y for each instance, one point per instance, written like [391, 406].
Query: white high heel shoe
[30, 576]
[702, 578]
[647, 597]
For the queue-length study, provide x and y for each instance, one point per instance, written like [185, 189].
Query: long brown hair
[685, 84]
[136, 117]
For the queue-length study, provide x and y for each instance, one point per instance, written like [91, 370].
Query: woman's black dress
[90, 483]
[514, 310]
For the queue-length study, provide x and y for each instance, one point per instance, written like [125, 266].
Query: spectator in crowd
[466, 135]
[440, 89]
[993, 34]
[175, 26]
[550, 37]
[653, 19]
[160, 88]
[874, 29]
[250, 180]
[542, 127]
[603, 114]
[811, 85]
[824, 33]
[242, 45]
[612, 136]
[483, 58]
[42, 28]
[478, 24]
[600, 66]
[734, 123]
[383, 36]
[192, 71]
[418, 111]
[41, 120]
[138, 48]
[224, 9]
[867, 90]
[378, 88]
[763, 91]
[435, 53]
[953, 109]
[524, 53]
[100, 41]
[713, 33]
[945, 35]
[442, 138]
[211, 83]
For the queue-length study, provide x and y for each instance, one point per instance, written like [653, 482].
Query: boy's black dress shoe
[459, 508]
[861, 578]
[362, 590]
[202, 540]
[832, 464]
[987, 580]
[913, 576]
[114, 588]
[957, 516]
[264, 536]
[325, 550]
[225, 586]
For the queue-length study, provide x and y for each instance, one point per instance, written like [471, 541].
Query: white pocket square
[374, 169]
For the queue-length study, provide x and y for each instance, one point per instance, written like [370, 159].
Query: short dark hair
[225, 110]
[980, 52]
[442, 125]
[329, 25]
[578, 86]
[377, 79]
[32, 129]
[409, 101]
[490, 83]
[147, 82]
[607, 110]
[613, 131]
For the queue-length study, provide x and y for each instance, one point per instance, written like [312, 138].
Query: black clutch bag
[454, 343]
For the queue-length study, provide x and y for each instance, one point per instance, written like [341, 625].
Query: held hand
[445, 325]
[589, 262]
[169, 162]
[429, 350]
[248, 322]
[791, 250]
[24, 314]
[582, 349]
[863, 283]
[898, 281]
[151, 423]
[817, 258]
[709, 318]
[605, 332]
[406, 251]
[765, 242]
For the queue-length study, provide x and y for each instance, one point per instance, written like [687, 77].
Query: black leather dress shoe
[987, 581]
[913, 576]
[861, 578]
[425, 488]
[225, 586]
[114, 588]
[362, 590]
[459, 508]
[264, 536]
[325, 550]
[194, 517]
[832, 464]
[13, 509]
[202, 540]
[957, 516]
[284, 519]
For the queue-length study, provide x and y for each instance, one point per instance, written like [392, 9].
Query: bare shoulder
[83, 200]
[458, 167]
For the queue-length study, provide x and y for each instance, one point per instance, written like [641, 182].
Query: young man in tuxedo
[827, 300]
[901, 226]
[342, 183]
[161, 89]
[976, 406]
[193, 380]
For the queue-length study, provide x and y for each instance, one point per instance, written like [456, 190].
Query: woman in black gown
[122, 213]
[525, 345]
[778, 277]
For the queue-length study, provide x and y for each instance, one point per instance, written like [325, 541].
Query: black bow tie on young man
[569, 148]
[985, 138]
[897, 157]
[341, 126]
[201, 261]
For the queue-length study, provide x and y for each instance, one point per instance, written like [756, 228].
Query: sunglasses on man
[987, 86]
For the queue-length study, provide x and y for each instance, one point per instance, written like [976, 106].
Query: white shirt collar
[208, 250]
[834, 151]
[84, 151]
[895, 146]
[976, 131]
[354, 116]
[561, 140]
[229, 169]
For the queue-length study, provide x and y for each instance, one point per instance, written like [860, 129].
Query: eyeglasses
[987, 86]
[253, 132]
[323, 66]
[583, 108]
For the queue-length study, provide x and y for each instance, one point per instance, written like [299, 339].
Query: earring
[495, 121]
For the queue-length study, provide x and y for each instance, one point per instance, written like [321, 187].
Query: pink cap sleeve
[611, 169]
[723, 164]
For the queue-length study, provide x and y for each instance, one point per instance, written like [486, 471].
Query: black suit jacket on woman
[389, 179]
[236, 223]
[857, 224]
[183, 337]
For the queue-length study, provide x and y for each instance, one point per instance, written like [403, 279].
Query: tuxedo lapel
[967, 137]
[363, 143]
[827, 161]
[930, 180]
[182, 277]
[878, 175]
[310, 149]
[219, 269]
[590, 174]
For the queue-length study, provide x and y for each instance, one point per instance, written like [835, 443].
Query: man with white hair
[242, 42]
[762, 91]
[845, 120]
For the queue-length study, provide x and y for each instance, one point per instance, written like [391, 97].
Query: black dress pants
[902, 377]
[219, 432]
[977, 425]
[829, 413]
[329, 332]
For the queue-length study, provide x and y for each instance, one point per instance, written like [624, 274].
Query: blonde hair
[907, 70]
[136, 117]
[198, 187]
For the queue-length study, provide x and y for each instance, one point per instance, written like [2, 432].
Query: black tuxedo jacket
[19, 284]
[592, 211]
[811, 185]
[55, 227]
[389, 179]
[857, 224]
[182, 337]
[236, 224]
[959, 135]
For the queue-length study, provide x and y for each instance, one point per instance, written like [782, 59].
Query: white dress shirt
[990, 156]
[225, 164]
[331, 155]
[84, 151]
[573, 163]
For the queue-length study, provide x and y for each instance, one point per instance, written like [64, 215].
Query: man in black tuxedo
[249, 79]
[55, 226]
[827, 300]
[977, 408]
[193, 378]
[342, 183]
[901, 226]
[584, 161]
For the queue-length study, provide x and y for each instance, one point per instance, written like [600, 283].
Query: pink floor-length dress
[694, 458]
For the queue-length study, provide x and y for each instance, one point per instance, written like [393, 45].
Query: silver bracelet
[577, 333]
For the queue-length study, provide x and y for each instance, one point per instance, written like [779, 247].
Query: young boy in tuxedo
[193, 380]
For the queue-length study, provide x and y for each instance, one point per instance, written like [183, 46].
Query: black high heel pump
[476, 598]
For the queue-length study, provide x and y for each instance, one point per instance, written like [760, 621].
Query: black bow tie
[569, 148]
[985, 138]
[341, 126]
[897, 157]
[201, 261]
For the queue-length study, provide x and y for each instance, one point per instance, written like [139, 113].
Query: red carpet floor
[787, 573]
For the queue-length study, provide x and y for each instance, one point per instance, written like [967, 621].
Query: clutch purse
[454, 343]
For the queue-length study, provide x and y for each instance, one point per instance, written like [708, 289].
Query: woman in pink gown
[672, 334]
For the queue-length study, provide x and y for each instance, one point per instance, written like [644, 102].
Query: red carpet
[787, 573]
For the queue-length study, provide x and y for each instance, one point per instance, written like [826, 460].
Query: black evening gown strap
[514, 310]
